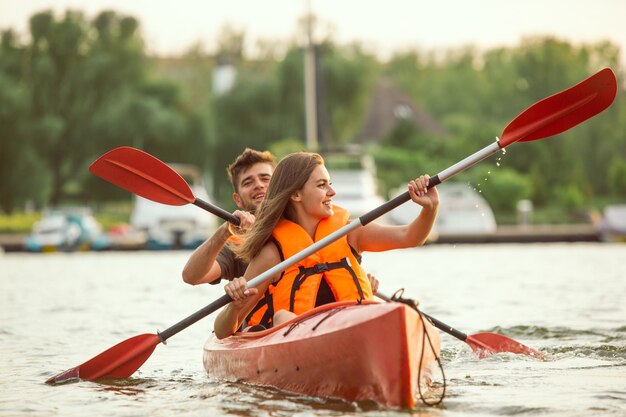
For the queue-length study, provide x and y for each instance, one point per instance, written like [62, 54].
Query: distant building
[387, 107]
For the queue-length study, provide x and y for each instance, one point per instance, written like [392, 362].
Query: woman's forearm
[228, 321]
[420, 228]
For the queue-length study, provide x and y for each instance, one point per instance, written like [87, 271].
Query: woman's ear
[297, 196]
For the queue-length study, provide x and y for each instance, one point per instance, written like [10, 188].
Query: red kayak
[355, 352]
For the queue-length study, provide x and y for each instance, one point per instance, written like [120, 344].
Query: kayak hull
[355, 352]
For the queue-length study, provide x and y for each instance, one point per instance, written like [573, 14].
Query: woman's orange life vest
[338, 264]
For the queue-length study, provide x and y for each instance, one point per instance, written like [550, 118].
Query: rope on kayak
[329, 313]
[397, 296]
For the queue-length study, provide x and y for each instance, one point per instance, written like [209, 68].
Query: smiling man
[250, 176]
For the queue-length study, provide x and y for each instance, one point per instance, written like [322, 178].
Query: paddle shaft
[434, 181]
[219, 212]
[446, 328]
[198, 315]
[438, 324]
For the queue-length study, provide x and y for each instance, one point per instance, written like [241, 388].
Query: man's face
[252, 185]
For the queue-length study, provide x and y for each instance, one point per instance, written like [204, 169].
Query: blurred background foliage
[78, 87]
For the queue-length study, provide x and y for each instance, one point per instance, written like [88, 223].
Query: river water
[568, 300]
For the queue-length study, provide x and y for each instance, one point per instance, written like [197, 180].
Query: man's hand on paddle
[246, 219]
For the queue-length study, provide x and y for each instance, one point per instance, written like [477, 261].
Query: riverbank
[504, 234]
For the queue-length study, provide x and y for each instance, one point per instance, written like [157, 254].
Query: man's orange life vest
[336, 263]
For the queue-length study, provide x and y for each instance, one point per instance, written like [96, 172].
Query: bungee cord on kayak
[397, 297]
[328, 314]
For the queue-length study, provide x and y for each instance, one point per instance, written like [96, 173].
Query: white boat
[175, 227]
[612, 227]
[64, 229]
[354, 183]
[462, 211]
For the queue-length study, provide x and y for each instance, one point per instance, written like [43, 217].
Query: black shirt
[231, 266]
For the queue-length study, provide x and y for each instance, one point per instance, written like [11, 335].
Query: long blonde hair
[291, 173]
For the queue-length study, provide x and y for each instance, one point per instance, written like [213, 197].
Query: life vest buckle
[319, 268]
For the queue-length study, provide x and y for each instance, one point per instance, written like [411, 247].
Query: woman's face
[317, 194]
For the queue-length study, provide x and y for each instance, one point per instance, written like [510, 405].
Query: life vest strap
[320, 268]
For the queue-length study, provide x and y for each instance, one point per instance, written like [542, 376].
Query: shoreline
[14, 242]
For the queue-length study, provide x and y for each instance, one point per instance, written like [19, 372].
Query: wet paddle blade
[144, 175]
[485, 344]
[119, 361]
[564, 110]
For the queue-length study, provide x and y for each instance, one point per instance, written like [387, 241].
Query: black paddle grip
[392, 204]
[221, 213]
[200, 314]
[446, 328]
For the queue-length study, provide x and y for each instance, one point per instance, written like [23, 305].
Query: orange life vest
[336, 263]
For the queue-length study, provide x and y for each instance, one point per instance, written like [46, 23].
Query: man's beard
[251, 208]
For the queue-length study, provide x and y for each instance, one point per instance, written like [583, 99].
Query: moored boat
[356, 352]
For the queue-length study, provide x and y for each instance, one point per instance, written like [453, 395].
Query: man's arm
[202, 266]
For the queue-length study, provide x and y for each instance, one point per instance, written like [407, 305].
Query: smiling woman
[298, 211]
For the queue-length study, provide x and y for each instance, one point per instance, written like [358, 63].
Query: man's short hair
[244, 161]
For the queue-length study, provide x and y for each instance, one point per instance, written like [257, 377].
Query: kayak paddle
[483, 344]
[144, 175]
[545, 118]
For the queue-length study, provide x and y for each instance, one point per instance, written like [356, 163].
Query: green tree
[76, 69]
[79, 88]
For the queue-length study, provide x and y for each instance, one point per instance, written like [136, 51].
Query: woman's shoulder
[270, 249]
[268, 256]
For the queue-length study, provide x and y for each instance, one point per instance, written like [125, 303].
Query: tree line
[81, 86]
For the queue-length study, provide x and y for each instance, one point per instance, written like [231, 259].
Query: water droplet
[503, 151]
[498, 163]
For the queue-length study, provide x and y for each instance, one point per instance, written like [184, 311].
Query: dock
[12, 242]
[528, 234]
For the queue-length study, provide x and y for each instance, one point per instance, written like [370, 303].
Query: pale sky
[170, 27]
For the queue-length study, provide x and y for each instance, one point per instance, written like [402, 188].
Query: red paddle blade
[144, 175]
[119, 361]
[564, 110]
[485, 344]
